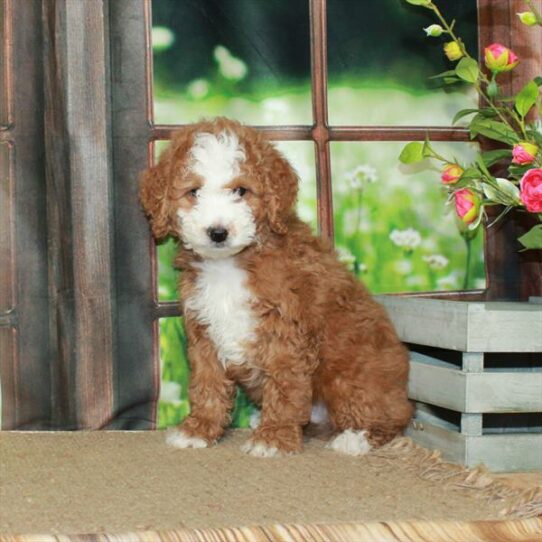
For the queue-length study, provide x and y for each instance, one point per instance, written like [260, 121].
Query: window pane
[173, 405]
[244, 59]
[380, 61]
[393, 227]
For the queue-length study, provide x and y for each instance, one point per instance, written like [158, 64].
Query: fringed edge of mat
[526, 530]
[428, 465]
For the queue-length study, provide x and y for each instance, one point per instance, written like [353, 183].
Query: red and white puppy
[267, 305]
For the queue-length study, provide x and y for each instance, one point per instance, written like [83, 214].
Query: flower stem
[468, 243]
[483, 77]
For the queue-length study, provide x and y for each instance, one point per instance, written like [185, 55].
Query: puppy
[267, 305]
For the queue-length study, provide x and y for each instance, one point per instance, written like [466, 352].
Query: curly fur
[319, 337]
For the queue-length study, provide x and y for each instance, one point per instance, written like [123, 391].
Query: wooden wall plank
[29, 403]
[137, 362]
[80, 208]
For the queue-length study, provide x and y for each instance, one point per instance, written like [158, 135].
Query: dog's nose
[217, 235]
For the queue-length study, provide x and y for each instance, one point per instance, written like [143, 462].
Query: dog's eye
[240, 191]
[193, 193]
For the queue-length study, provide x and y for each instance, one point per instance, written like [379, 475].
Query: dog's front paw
[274, 441]
[180, 439]
[257, 448]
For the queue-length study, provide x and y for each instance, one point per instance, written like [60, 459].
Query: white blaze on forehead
[216, 158]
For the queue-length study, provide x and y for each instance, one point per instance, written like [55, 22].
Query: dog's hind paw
[351, 442]
[179, 439]
[259, 449]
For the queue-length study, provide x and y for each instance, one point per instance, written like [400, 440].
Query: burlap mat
[115, 482]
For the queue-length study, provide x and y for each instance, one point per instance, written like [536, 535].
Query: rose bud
[499, 58]
[524, 153]
[434, 30]
[527, 17]
[467, 205]
[531, 190]
[452, 50]
[451, 174]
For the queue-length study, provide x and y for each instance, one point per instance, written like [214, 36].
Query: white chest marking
[221, 302]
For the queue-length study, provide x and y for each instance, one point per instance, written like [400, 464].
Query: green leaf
[492, 157]
[493, 129]
[526, 98]
[470, 173]
[463, 113]
[412, 152]
[467, 69]
[447, 73]
[533, 238]
[419, 2]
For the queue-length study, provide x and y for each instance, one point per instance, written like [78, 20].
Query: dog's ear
[157, 192]
[281, 192]
[154, 197]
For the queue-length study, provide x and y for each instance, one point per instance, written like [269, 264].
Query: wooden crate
[476, 378]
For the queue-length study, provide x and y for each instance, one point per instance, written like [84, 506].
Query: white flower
[408, 239]
[170, 392]
[345, 256]
[449, 282]
[436, 261]
[199, 88]
[362, 268]
[229, 66]
[403, 267]
[162, 38]
[359, 176]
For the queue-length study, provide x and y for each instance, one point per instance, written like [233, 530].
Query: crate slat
[500, 453]
[439, 383]
[467, 326]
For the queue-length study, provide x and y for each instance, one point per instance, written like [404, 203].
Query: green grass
[365, 213]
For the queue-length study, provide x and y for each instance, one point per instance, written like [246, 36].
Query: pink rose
[451, 174]
[467, 205]
[499, 58]
[524, 153]
[531, 190]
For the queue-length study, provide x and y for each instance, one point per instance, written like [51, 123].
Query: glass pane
[173, 405]
[393, 227]
[244, 59]
[380, 61]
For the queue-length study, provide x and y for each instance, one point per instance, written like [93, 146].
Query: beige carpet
[105, 482]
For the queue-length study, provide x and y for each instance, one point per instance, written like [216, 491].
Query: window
[79, 307]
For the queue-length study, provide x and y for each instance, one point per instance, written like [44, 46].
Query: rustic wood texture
[438, 383]
[137, 362]
[510, 274]
[79, 188]
[499, 453]
[26, 400]
[467, 326]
